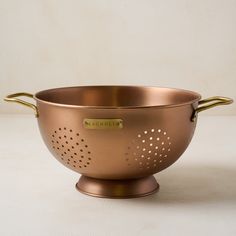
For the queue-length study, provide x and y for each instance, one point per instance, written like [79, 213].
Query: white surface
[173, 43]
[197, 194]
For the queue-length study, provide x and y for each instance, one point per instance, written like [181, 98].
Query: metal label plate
[103, 123]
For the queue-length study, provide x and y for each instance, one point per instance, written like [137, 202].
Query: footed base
[130, 188]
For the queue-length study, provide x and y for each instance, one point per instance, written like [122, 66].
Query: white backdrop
[173, 43]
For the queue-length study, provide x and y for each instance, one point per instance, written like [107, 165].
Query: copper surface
[156, 129]
[128, 188]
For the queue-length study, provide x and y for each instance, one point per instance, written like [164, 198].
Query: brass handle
[13, 98]
[209, 103]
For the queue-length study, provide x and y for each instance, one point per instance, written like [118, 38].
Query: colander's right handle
[13, 98]
[209, 103]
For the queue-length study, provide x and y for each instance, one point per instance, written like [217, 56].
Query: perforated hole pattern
[149, 149]
[71, 148]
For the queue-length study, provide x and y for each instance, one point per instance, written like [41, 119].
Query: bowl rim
[196, 99]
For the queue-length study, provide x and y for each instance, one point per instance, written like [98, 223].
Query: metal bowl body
[116, 132]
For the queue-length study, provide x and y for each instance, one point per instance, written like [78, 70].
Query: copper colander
[117, 137]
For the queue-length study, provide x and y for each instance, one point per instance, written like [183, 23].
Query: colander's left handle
[13, 98]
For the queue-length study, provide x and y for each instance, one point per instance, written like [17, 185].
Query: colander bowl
[117, 137]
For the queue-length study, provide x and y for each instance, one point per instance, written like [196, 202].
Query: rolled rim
[195, 96]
